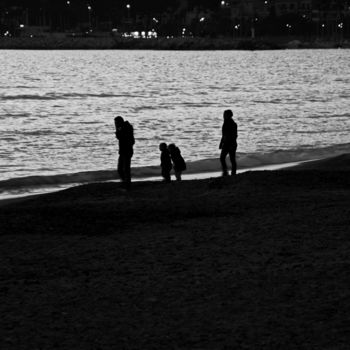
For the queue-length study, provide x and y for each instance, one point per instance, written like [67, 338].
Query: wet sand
[256, 261]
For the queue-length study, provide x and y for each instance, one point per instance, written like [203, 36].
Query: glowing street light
[89, 12]
[128, 7]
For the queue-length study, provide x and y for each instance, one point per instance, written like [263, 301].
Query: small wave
[26, 97]
[274, 101]
[61, 96]
[82, 96]
[143, 108]
[43, 132]
[61, 179]
[6, 87]
[289, 156]
[15, 115]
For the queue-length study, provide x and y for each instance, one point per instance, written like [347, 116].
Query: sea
[57, 110]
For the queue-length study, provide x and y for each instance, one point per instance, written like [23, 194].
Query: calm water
[57, 107]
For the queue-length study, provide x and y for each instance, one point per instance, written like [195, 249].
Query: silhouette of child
[178, 162]
[165, 161]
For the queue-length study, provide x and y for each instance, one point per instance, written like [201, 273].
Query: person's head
[171, 147]
[228, 114]
[118, 121]
[162, 146]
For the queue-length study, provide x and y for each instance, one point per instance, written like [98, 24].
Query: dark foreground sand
[259, 261]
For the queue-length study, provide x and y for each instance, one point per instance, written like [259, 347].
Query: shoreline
[62, 42]
[42, 190]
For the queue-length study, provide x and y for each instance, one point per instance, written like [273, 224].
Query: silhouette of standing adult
[228, 143]
[125, 135]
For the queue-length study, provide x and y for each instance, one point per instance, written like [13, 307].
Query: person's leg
[178, 175]
[121, 167]
[223, 155]
[166, 175]
[233, 159]
[127, 168]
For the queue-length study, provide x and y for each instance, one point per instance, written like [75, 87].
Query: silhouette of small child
[165, 161]
[178, 162]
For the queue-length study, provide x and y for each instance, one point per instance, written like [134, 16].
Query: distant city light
[128, 6]
[323, 25]
[141, 35]
[89, 7]
[21, 25]
[155, 20]
[202, 19]
[68, 2]
[340, 25]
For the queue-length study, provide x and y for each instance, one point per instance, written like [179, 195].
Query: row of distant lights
[140, 35]
[225, 3]
[289, 26]
[153, 33]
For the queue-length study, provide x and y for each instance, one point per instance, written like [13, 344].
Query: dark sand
[258, 261]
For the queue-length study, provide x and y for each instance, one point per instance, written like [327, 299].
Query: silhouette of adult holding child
[228, 143]
[125, 135]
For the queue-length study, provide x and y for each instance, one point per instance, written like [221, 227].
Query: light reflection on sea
[57, 107]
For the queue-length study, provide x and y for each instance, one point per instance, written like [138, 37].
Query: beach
[255, 261]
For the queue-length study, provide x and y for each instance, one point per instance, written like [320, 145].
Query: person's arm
[235, 132]
[224, 132]
[132, 135]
